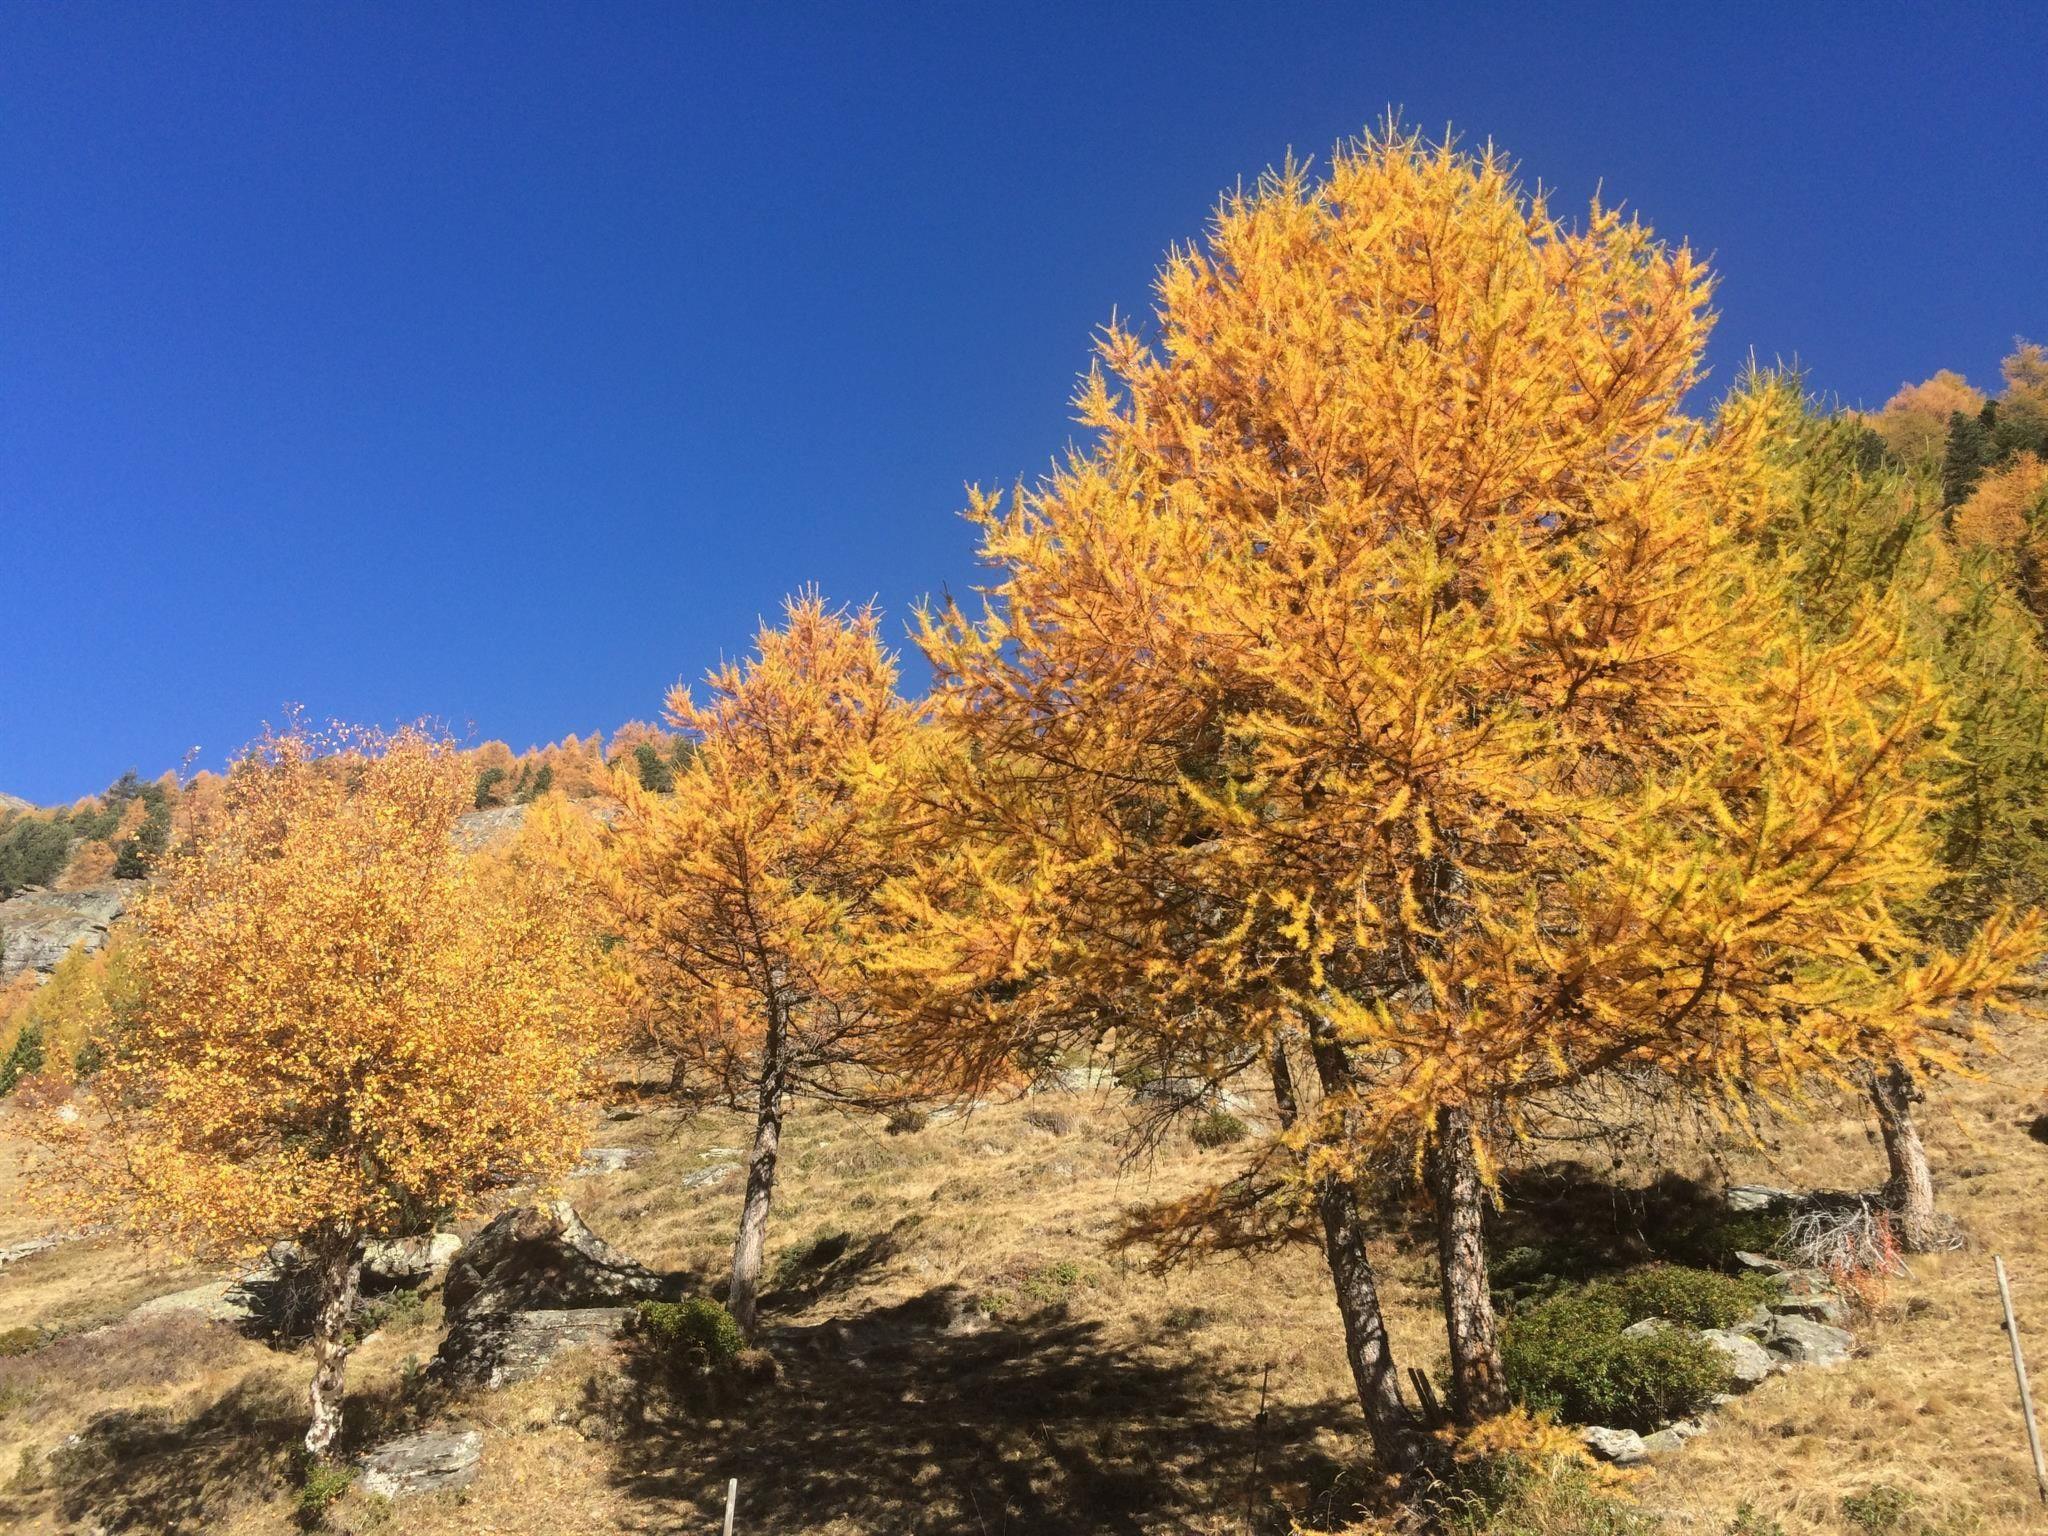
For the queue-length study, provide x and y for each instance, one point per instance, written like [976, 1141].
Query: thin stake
[732, 1498]
[2019, 1369]
[1251, 1486]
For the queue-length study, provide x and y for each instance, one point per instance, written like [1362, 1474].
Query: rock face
[40, 927]
[533, 1283]
[422, 1463]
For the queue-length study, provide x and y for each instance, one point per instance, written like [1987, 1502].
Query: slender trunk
[1398, 1441]
[741, 1297]
[1910, 1189]
[1478, 1389]
[338, 1257]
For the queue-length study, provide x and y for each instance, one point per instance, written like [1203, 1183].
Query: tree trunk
[338, 1257]
[1399, 1444]
[1478, 1389]
[1910, 1189]
[753, 1239]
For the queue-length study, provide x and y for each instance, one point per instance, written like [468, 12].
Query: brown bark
[747, 1252]
[338, 1261]
[1910, 1189]
[1478, 1389]
[1399, 1443]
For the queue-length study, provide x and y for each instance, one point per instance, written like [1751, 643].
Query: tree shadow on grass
[149, 1471]
[887, 1421]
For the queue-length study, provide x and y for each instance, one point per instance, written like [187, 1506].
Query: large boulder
[424, 1463]
[535, 1282]
[498, 1349]
[544, 1258]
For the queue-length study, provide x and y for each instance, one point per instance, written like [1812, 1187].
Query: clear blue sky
[502, 363]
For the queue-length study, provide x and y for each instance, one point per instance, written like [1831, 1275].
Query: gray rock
[1662, 1442]
[1805, 1342]
[1756, 1197]
[608, 1160]
[1645, 1328]
[27, 1248]
[541, 1257]
[42, 927]
[1748, 1361]
[703, 1178]
[1810, 1294]
[219, 1301]
[395, 1261]
[1758, 1323]
[498, 1349]
[1761, 1261]
[1623, 1447]
[480, 829]
[424, 1463]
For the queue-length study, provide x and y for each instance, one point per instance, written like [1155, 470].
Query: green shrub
[322, 1484]
[23, 1059]
[487, 792]
[33, 852]
[1569, 1356]
[1751, 1521]
[907, 1122]
[693, 1331]
[1694, 1298]
[1218, 1128]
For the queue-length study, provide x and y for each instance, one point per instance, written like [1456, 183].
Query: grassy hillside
[960, 1351]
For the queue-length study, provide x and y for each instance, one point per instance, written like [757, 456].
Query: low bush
[905, 1122]
[1568, 1355]
[1693, 1298]
[1218, 1128]
[697, 1331]
[321, 1486]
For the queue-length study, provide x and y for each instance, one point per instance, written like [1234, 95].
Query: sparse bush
[697, 1331]
[1568, 1355]
[1522, 1475]
[321, 1486]
[1750, 1521]
[23, 1059]
[1055, 1122]
[1888, 1511]
[1218, 1128]
[906, 1122]
[20, 1341]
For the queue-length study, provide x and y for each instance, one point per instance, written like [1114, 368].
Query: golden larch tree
[346, 1028]
[743, 898]
[1385, 693]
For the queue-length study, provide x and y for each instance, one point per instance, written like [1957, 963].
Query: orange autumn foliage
[345, 1026]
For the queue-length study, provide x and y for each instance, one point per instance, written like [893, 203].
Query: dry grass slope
[1095, 1397]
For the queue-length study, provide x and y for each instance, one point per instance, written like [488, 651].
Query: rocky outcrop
[535, 1282]
[500, 1349]
[430, 1462]
[39, 928]
[392, 1263]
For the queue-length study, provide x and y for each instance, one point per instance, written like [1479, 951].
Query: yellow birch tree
[346, 1027]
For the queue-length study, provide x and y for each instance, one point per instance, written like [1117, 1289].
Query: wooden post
[2019, 1370]
[732, 1498]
